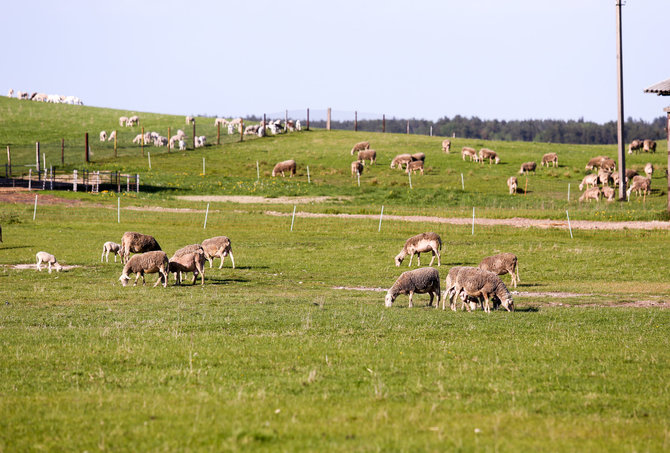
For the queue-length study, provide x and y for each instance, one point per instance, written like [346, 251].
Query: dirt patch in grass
[248, 199]
[25, 196]
[65, 267]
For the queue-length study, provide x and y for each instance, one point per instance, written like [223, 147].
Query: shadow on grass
[16, 247]
[527, 309]
[224, 281]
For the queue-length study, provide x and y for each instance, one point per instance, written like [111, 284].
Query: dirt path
[248, 199]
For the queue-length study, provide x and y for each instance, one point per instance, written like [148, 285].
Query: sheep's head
[398, 259]
[124, 279]
[497, 160]
[388, 300]
[508, 303]
[57, 266]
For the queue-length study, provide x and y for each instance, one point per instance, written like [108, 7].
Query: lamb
[590, 180]
[182, 145]
[360, 146]
[512, 183]
[160, 141]
[123, 120]
[133, 121]
[550, 158]
[400, 160]
[502, 264]
[596, 162]
[484, 285]
[103, 136]
[469, 152]
[450, 284]
[419, 156]
[189, 259]
[639, 184]
[424, 242]
[356, 168]
[420, 281]
[283, 167]
[635, 145]
[200, 141]
[49, 259]
[147, 263]
[112, 136]
[446, 145]
[649, 170]
[489, 154]
[590, 194]
[609, 193]
[649, 146]
[527, 167]
[414, 166]
[110, 247]
[298, 126]
[137, 243]
[366, 154]
[218, 246]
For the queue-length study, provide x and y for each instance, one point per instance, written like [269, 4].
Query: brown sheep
[640, 184]
[414, 166]
[424, 242]
[356, 168]
[188, 259]
[283, 167]
[483, 285]
[147, 263]
[360, 146]
[502, 264]
[635, 145]
[400, 160]
[469, 152]
[550, 158]
[367, 154]
[649, 146]
[489, 154]
[420, 281]
[590, 194]
[132, 242]
[527, 167]
[446, 145]
[218, 246]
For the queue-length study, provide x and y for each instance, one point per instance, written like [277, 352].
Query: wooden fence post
[355, 121]
[241, 130]
[193, 133]
[218, 133]
[86, 156]
[9, 161]
[384, 123]
[328, 120]
[307, 119]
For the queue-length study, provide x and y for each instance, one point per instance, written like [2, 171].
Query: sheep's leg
[137, 276]
[222, 258]
[49, 266]
[487, 308]
[231, 258]
[411, 293]
[433, 258]
[39, 265]
[103, 254]
[430, 303]
[411, 257]
[418, 259]
[210, 259]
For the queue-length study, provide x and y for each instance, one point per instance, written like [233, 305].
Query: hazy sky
[514, 59]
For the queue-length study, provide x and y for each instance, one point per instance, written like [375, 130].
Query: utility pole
[620, 123]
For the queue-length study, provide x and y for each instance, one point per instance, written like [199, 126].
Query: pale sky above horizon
[520, 59]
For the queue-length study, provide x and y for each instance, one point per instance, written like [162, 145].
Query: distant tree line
[547, 131]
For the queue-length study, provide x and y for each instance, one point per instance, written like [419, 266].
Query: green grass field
[273, 356]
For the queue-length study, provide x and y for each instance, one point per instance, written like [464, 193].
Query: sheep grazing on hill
[469, 152]
[112, 136]
[218, 246]
[419, 156]
[450, 284]
[10, 93]
[49, 260]
[608, 165]
[416, 245]
[189, 119]
[446, 145]
[485, 285]
[367, 154]
[132, 242]
[200, 141]
[123, 120]
[649, 170]
[512, 184]
[590, 180]
[360, 146]
[501, 264]
[489, 154]
[609, 193]
[604, 177]
[182, 145]
[112, 247]
[615, 179]
[220, 121]
[630, 174]
[420, 281]
[133, 121]
[590, 194]
[414, 166]
[400, 160]
[550, 158]
[287, 166]
[640, 185]
[356, 168]
[147, 263]
[103, 136]
[189, 259]
[527, 167]
[596, 162]
[649, 146]
[635, 145]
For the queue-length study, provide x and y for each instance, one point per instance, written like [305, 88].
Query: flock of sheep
[43, 97]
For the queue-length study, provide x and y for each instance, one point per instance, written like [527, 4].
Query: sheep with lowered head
[649, 146]
[590, 194]
[400, 160]
[446, 145]
[147, 263]
[112, 247]
[550, 158]
[287, 166]
[609, 193]
[450, 285]
[367, 154]
[512, 183]
[420, 281]
[489, 154]
[424, 242]
[469, 152]
[356, 168]
[414, 166]
[527, 167]
[484, 285]
[189, 259]
[360, 146]
[49, 259]
[502, 264]
[218, 246]
[590, 180]
[132, 242]
[639, 184]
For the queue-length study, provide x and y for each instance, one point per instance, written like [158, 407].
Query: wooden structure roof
[660, 88]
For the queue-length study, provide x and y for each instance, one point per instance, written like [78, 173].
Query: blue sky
[515, 59]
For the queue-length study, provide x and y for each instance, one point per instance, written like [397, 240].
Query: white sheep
[49, 259]
[189, 119]
[512, 184]
[147, 263]
[133, 121]
[283, 167]
[590, 194]
[446, 145]
[123, 120]
[298, 126]
[649, 170]
[10, 93]
[189, 259]
[200, 141]
[483, 285]
[112, 136]
[112, 247]
[469, 152]
[400, 160]
[360, 146]
[489, 154]
[138, 139]
[424, 242]
[218, 246]
[501, 264]
[590, 180]
[182, 145]
[609, 193]
[103, 136]
[420, 281]
[639, 184]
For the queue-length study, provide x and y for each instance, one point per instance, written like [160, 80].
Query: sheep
[190, 119]
[649, 170]
[550, 158]
[49, 259]
[446, 145]
[39, 97]
[469, 152]
[10, 93]
[400, 160]
[630, 174]
[173, 140]
[450, 283]
[133, 121]
[590, 194]
[123, 120]
[251, 129]
[221, 121]
[283, 167]
[21, 95]
[419, 156]
[596, 162]
[356, 168]
[137, 139]
[635, 145]
[424, 242]
[512, 183]
[502, 264]
[298, 126]
[200, 141]
[160, 141]
[103, 136]
[484, 285]
[370, 154]
[182, 145]
[649, 146]
[189, 259]
[180, 134]
[590, 180]
[110, 246]
[604, 177]
[414, 166]
[218, 246]
[112, 136]
[639, 184]
[609, 193]
[360, 146]
[137, 243]
[147, 263]
[608, 164]
[420, 281]
[489, 154]
[615, 179]
[527, 167]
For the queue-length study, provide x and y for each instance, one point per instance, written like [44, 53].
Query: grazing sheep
[414, 166]
[133, 121]
[283, 167]
[189, 119]
[420, 281]
[221, 121]
[147, 263]
[103, 136]
[251, 129]
[635, 145]
[550, 158]
[502, 264]
[49, 259]
[608, 165]
[218, 246]
[630, 174]
[356, 168]
[469, 152]
[590, 180]
[450, 285]
[161, 141]
[484, 285]
[527, 167]
[367, 154]
[604, 177]
[424, 242]
[609, 193]
[590, 194]
[112, 136]
[419, 156]
[123, 120]
[649, 170]
[110, 247]
[649, 146]
[596, 162]
[189, 259]
[639, 184]
[137, 139]
[137, 243]
[360, 146]
[200, 141]
[182, 145]
[400, 160]
[446, 145]
[10, 93]
[512, 183]
[489, 154]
